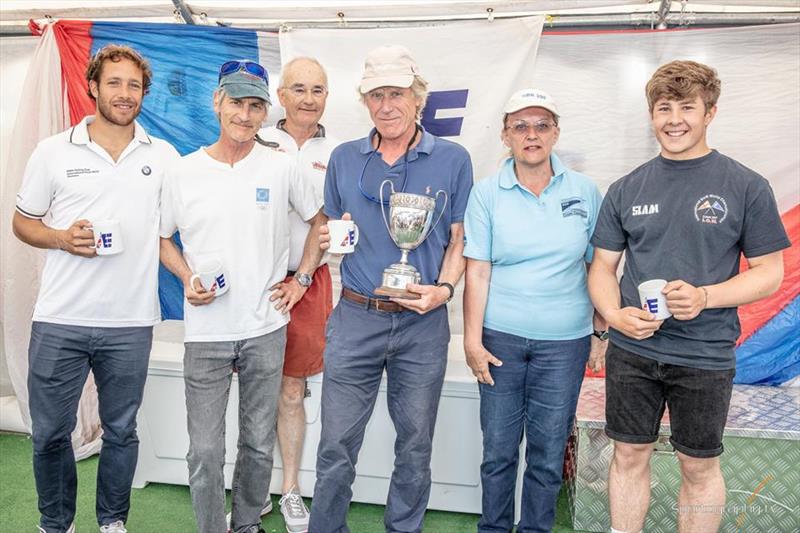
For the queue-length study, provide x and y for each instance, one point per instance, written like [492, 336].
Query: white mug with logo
[344, 236]
[107, 237]
[211, 276]
[652, 299]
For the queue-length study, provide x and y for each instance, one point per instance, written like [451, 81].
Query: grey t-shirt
[688, 220]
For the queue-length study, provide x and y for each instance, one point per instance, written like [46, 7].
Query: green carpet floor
[166, 508]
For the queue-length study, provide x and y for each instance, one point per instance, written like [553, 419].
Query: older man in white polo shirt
[93, 312]
[230, 201]
[302, 93]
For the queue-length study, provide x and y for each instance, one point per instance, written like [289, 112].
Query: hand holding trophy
[409, 224]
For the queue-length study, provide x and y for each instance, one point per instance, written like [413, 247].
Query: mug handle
[193, 278]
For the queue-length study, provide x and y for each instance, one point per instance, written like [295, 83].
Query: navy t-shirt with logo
[688, 220]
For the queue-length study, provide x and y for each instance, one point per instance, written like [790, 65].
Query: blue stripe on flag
[179, 108]
[771, 355]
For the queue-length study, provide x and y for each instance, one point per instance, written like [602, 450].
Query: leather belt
[374, 303]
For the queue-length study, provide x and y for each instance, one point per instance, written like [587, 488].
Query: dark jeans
[59, 358]
[535, 391]
[638, 389]
[361, 344]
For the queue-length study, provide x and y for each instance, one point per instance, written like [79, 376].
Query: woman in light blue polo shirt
[528, 320]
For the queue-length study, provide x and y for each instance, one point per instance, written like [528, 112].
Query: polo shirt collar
[281, 125]
[508, 178]
[424, 146]
[80, 132]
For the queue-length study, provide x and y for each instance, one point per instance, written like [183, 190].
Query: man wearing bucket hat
[95, 310]
[528, 320]
[368, 335]
[230, 202]
[686, 216]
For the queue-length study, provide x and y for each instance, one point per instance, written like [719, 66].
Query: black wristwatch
[303, 279]
[449, 288]
[602, 335]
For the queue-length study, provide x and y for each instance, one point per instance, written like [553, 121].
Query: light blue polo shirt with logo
[538, 247]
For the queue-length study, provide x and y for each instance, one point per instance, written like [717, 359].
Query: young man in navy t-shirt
[685, 217]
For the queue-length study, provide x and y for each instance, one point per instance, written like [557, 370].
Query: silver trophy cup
[409, 224]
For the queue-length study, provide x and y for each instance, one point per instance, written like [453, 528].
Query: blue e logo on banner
[444, 127]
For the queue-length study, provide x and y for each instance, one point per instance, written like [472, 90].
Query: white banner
[471, 67]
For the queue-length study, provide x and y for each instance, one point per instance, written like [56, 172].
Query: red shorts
[305, 334]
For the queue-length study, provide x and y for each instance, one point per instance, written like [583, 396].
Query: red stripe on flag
[755, 315]
[74, 46]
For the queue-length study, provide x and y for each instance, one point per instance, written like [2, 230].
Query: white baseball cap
[530, 98]
[388, 66]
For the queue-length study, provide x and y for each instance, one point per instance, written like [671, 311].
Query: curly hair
[115, 53]
[682, 80]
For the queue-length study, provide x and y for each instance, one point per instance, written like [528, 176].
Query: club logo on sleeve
[573, 206]
[711, 209]
[262, 198]
[644, 209]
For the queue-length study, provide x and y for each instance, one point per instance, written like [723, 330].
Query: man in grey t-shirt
[686, 216]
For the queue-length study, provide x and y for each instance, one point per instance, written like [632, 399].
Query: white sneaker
[295, 512]
[265, 510]
[114, 527]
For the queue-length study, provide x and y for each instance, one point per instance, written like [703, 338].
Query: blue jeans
[536, 391]
[59, 359]
[361, 344]
[208, 371]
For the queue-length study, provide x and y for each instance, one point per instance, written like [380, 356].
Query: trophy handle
[441, 214]
[383, 211]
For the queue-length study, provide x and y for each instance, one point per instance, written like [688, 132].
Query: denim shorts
[638, 389]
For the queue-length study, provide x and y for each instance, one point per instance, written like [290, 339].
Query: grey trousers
[208, 369]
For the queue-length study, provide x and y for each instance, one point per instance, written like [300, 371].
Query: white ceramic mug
[344, 236]
[652, 299]
[107, 237]
[212, 277]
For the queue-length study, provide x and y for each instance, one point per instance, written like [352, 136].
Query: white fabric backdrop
[598, 81]
[15, 56]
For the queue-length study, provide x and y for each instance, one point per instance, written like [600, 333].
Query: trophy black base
[397, 293]
[395, 278]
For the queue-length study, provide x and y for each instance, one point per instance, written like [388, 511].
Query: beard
[106, 109]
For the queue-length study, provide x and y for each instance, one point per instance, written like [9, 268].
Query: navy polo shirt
[355, 173]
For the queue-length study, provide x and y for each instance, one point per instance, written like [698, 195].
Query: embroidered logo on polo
[146, 170]
[81, 172]
[573, 206]
[711, 209]
[319, 165]
[262, 198]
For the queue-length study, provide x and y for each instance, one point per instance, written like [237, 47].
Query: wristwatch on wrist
[449, 288]
[602, 335]
[303, 279]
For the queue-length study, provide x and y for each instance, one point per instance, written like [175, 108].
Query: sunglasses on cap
[251, 67]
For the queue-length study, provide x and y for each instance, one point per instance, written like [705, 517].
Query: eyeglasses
[521, 128]
[251, 67]
[298, 91]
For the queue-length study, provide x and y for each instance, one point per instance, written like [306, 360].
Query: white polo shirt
[236, 215]
[69, 177]
[312, 162]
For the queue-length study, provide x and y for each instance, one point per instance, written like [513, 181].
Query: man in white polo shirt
[230, 201]
[302, 93]
[93, 312]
